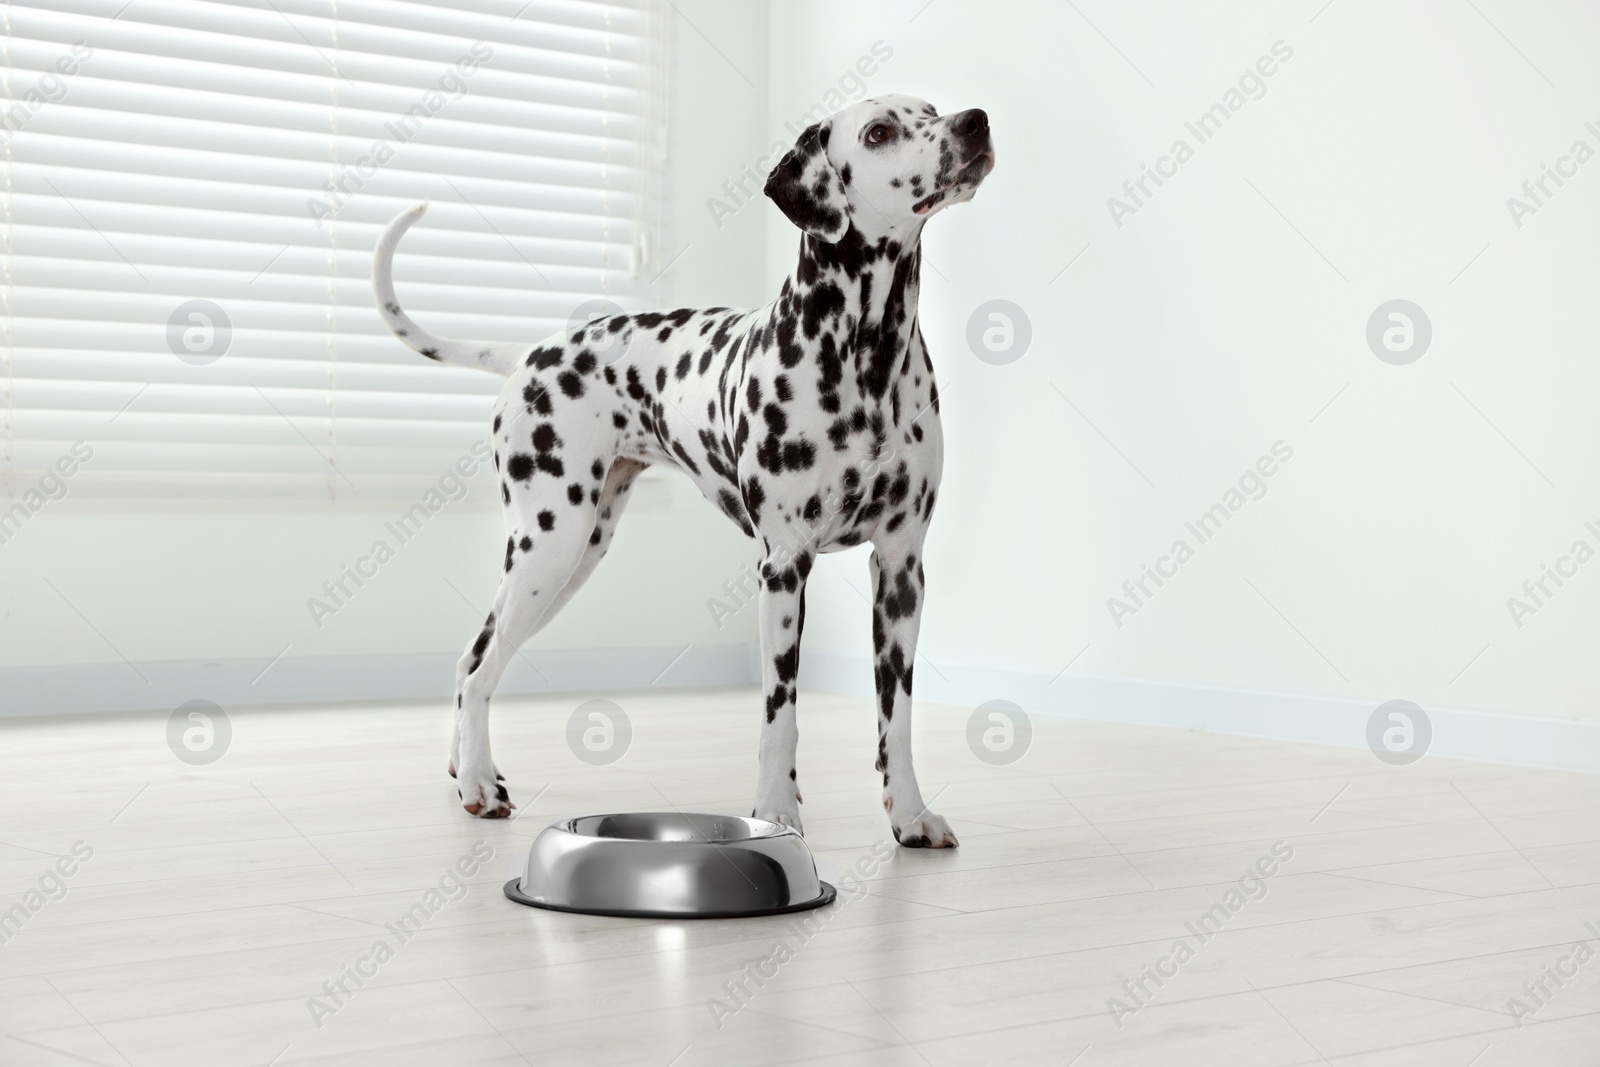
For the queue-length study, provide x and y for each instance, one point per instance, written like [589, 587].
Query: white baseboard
[103, 687]
[1537, 741]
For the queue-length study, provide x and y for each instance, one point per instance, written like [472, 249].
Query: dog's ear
[806, 188]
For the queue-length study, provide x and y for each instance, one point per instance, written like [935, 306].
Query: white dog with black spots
[826, 394]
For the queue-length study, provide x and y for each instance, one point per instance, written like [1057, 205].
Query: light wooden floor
[219, 899]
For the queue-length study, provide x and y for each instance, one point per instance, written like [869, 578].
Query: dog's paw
[927, 831]
[483, 795]
[784, 815]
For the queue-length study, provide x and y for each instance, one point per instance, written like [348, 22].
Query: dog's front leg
[897, 595]
[782, 606]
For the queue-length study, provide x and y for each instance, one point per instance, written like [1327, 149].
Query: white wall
[186, 585]
[1192, 338]
[1224, 315]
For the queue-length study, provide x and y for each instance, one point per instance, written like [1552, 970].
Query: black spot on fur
[482, 643]
[754, 497]
[545, 438]
[777, 421]
[731, 506]
[537, 397]
[799, 455]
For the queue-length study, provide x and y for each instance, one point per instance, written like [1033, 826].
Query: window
[193, 190]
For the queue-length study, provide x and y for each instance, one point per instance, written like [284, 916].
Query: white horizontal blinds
[247, 155]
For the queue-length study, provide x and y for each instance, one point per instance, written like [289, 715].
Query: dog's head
[884, 165]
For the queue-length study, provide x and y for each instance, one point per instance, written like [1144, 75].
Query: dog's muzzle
[971, 132]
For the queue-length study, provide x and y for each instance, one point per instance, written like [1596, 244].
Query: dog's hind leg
[553, 514]
[522, 606]
[782, 609]
[608, 512]
[897, 594]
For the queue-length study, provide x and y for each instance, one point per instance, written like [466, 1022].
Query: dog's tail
[480, 355]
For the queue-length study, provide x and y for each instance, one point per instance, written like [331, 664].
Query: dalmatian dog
[812, 422]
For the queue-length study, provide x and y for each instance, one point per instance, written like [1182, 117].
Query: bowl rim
[764, 830]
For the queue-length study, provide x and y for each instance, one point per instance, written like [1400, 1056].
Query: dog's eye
[878, 133]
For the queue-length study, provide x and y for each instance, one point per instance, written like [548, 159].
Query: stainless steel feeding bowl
[675, 865]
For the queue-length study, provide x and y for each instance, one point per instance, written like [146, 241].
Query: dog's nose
[970, 124]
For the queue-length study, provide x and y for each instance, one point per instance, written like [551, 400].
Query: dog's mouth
[968, 177]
